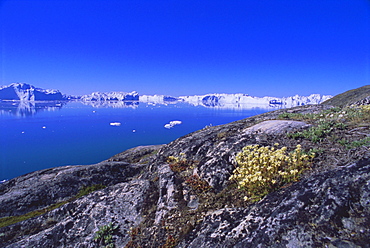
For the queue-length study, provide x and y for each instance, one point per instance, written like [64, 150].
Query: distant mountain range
[25, 92]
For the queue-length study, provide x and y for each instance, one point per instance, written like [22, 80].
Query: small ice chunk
[175, 122]
[117, 124]
[172, 124]
[134, 131]
[43, 127]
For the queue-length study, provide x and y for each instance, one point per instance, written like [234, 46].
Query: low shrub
[356, 143]
[319, 132]
[170, 242]
[180, 164]
[197, 184]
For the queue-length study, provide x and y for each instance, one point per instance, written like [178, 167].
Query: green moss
[89, 189]
[6, 221]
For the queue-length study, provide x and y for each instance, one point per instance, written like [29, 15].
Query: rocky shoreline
[149, 201]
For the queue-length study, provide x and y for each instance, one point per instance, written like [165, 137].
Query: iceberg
[111, 96]
[26, 92]
[244, 101]
[172, 124]
[158, 99]
[116, 124]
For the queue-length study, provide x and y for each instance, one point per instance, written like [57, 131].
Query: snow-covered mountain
[26, 92]
[111, 96]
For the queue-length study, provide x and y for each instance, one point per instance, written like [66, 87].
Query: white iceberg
[117, 124]
[172, 124]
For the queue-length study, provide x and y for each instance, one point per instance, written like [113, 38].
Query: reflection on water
[28, 108]
[49, 134]
[112, 104]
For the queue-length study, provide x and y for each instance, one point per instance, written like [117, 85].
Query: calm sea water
[39, 136]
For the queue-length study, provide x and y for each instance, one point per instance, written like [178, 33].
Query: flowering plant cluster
[262, 170]
[178, 164]
[365, 107]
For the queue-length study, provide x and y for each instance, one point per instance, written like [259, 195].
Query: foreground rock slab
[328, 210]
[276, 127]
[75, 224]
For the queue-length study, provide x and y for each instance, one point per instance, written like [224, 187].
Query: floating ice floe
[172, 124]
[117, 124]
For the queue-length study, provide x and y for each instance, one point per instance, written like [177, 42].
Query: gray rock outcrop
[45, 187]
[327, 210]
[75, 224]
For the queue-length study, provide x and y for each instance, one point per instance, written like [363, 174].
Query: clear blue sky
[175, 47]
